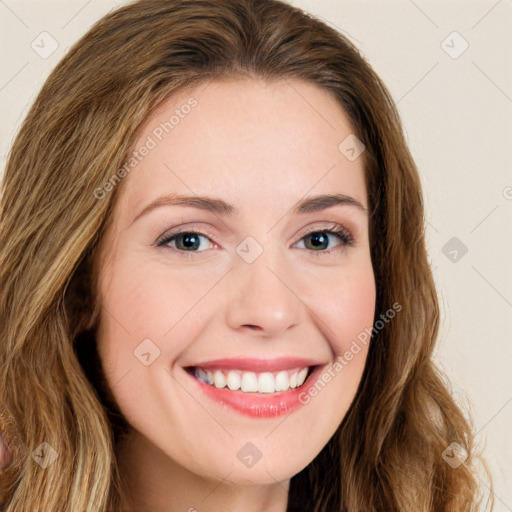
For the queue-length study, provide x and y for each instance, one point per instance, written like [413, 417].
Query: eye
[185, 241]
[189, 240]
[320, 238]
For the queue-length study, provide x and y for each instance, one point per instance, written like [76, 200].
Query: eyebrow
[219, 206]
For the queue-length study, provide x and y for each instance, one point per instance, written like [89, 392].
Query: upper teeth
[266, 382]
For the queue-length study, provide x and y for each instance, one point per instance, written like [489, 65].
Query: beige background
[457, 111]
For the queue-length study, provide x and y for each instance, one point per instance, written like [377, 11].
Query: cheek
[148, 303]
[344, 310]
[152, 304]
[347, 306]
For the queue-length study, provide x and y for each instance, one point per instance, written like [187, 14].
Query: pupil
[189, 236]
[316, 236]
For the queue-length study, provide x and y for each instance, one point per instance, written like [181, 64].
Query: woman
[250, 374]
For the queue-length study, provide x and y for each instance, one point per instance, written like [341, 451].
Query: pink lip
[260, 405]
[257, 364]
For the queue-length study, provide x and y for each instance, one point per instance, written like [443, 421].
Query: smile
[258, 388]
[253, 382]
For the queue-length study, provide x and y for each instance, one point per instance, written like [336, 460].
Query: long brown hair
[387, 453]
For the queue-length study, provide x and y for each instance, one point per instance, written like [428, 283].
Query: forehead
[245, 140]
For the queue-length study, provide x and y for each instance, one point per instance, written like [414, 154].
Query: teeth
[281, 381]
[265, 383]
[219, 379]
[233, 381]
[251, 382]
[203, 375]
[301, 377]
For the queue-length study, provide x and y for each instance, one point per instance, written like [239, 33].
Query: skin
[260, 146]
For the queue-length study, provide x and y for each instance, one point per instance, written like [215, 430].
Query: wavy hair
[386, 454]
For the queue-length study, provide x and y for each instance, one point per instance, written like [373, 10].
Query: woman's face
[262, 294]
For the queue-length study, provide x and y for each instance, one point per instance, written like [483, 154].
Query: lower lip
[258, 405]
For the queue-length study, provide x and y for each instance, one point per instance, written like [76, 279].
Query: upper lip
[257, 364]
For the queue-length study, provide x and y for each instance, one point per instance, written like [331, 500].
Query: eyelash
[343, 235]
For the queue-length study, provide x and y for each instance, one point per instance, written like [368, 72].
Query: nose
[261, 297]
